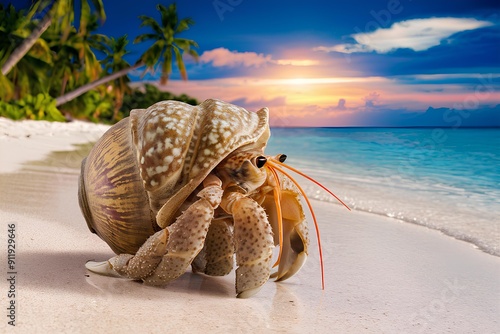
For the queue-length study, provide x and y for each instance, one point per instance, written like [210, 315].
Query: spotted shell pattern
[142, 170]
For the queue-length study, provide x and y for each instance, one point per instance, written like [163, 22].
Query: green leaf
[180, 63]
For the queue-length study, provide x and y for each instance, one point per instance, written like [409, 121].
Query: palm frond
[152, 55]
[166, 66]
[185, 44]
[84, 17]
[180, 63]
[99, 7]
[169, 16]
[193, 54]
[150, 22]
[145, 37]
[184, 24]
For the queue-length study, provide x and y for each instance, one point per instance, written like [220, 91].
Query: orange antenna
[277, 201]
[310, 179]
[314, 219]
[274, 164]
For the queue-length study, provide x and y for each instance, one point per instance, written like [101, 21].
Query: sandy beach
[382, 275]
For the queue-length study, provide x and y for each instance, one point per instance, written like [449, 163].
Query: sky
[337, 63]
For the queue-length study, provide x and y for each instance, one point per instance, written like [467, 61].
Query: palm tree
[11, 23]
[85, 88]
[164, 35]
[166, 44]
[29, 73]
[56, 10]
[115, 62]
[76, 62]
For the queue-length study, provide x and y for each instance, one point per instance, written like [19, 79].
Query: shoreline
[477, 244]
[64, 145]
[382, 274]
[389, 173]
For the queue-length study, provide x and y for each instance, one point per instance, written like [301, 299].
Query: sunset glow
[342, 64]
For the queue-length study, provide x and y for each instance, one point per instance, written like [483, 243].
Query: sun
[298, 81]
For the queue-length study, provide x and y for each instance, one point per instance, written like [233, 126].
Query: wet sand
[382, 275]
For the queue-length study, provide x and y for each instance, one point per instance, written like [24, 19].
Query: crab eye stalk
[282, 157]
[260, 161]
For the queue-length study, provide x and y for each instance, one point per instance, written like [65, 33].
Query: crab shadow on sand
[66, 271]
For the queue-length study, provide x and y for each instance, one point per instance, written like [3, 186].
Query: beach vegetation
[37, 107]
[115, 51]
[149, 94]
[60, 12]
[29, 74]
[95, 105]
[58, 70]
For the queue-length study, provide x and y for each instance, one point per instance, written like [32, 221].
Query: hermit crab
[177, 185]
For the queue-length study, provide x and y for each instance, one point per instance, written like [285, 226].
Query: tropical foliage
[148, 95]
[36, 107]
[166, 44]
[55, 70]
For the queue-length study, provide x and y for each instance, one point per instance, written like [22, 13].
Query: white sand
[29, 140]
[382, 276]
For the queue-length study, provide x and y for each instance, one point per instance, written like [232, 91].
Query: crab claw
[104, 268]
[295, 236]
[295, 239]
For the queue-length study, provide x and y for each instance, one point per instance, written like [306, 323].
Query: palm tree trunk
[85, 88]
[26, 45]
[118, 103]
[64, 83]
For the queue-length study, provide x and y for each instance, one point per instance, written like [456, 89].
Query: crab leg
[216, 257]
[166, 254]
[253, 239]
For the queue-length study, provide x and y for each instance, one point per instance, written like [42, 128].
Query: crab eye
[282, 158]
[260, 161]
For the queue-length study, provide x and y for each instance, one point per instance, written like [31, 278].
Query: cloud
[341, 104]
[222, 57]
[297, 62]
[371, 99]
[436, 117]
[384, 116]
[415, 34]
[277, 108]
[257, 104]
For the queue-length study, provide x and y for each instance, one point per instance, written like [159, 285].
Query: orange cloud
[223, 57]
[332, 101]
[297, 62]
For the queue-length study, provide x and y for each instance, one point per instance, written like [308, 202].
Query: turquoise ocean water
[445, 179]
